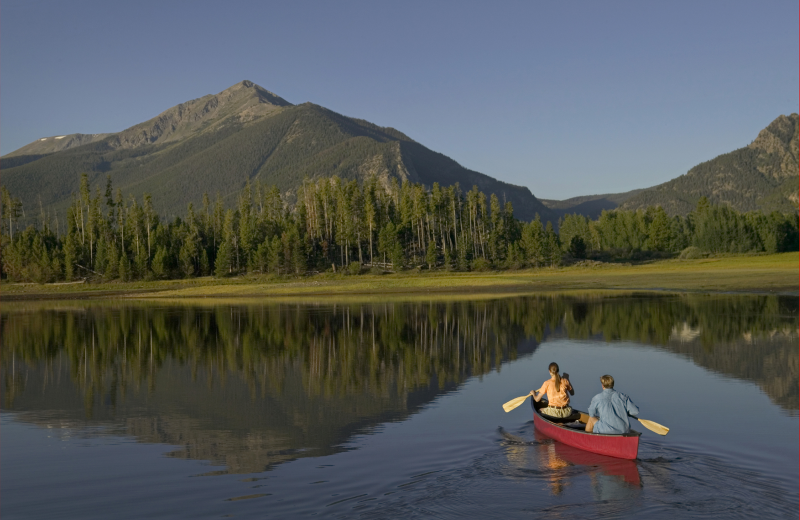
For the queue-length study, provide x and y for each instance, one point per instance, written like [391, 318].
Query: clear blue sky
[567, 98]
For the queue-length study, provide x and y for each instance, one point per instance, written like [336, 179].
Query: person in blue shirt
[609, 410]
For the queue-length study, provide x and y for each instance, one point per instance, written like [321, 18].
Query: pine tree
[112, 263]
[70, 257]
[223, 266]
[262, 257]
[386, 239]
[395, 249]
[533, 243]
[124, 267]
[230, 235]
[275, 255]
[577, 247]
[448, 260]
[12, 208]
[150, 222]
[553, 246]
[159, 265]
[497, 232]
[141, 262]
[659, 232]
[247, 225]
[464, 253]
[298, 260]
[186, 257]
[57, 266]
[205, 265]
[101, 257]
[370, 213]
[431, 255]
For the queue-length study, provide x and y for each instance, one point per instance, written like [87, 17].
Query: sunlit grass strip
[31, 305]
[758, 273]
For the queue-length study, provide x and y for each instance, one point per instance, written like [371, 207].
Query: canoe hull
[624, 446]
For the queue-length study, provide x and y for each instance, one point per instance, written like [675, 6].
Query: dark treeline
[709, 228]
[339, 225]
[385, 349]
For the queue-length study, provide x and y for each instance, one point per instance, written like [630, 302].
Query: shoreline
[761, 274]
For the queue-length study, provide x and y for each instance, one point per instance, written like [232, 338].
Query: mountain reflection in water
[252, 386]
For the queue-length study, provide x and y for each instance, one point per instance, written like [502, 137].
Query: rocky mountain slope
[216, 143]
[761, 176]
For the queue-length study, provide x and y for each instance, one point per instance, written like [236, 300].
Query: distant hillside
[589, 205]
[216, 143]
[761, 176]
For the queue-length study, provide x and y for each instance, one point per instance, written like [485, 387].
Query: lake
[393, 409]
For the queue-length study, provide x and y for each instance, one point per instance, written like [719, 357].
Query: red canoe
[571, 433]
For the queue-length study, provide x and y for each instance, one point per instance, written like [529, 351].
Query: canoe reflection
[611, 478]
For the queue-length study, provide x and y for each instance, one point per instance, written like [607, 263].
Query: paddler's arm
[631, 408]
[570, 388]
[537, 395]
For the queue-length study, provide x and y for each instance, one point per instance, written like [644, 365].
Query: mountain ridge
[760, 176]
[216, 143]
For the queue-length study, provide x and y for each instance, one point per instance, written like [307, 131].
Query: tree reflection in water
[280, 378]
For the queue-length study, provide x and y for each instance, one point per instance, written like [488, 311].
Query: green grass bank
[756, 273]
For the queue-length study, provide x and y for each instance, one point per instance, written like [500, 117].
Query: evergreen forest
[346, 226]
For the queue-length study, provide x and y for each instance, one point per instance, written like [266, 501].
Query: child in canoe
[558, 389]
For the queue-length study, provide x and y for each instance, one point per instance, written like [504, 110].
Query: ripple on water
[542, 478]
[248, 497]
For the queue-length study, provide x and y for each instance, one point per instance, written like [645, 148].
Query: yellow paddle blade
[653, 426]
[515, 402]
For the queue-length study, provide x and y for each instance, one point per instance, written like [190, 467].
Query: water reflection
[252, 386]
[379, 350]
[614, 484]
[556, 458]
[623, 473]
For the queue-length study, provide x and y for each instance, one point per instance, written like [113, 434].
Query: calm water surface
[392, 410]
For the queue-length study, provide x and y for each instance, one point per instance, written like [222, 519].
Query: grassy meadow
[750, 273]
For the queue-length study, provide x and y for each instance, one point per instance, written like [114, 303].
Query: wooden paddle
[652, 426]
[515, 402]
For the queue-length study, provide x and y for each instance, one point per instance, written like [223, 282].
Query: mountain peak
[779, 137]
[239, 104]
[249, 89]
[216, 143]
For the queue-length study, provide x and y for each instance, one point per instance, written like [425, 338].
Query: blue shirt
[612, 408]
